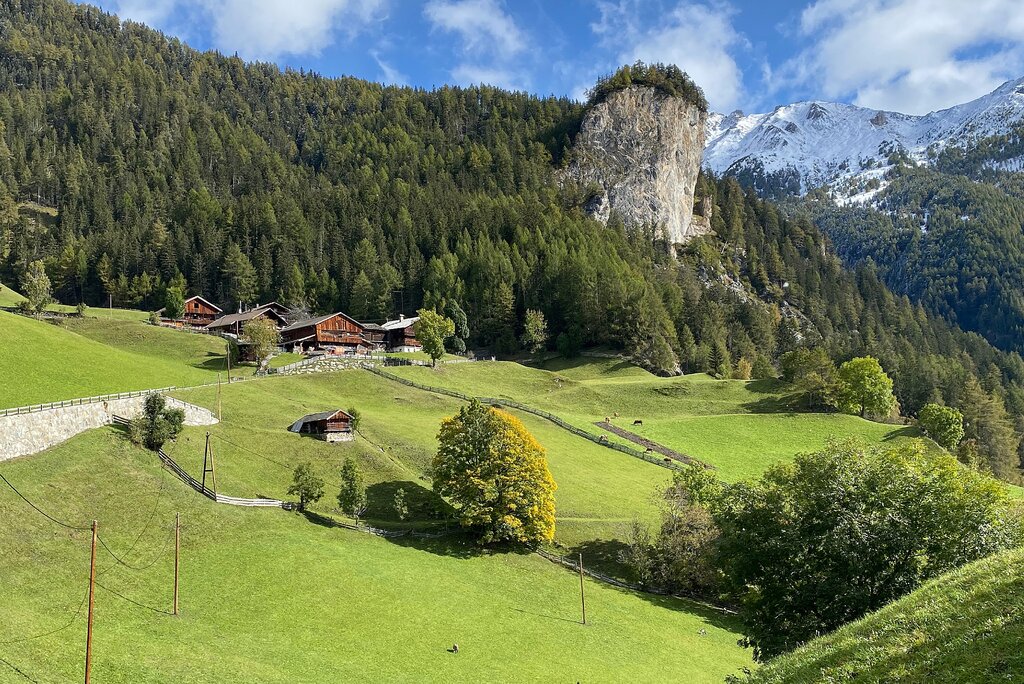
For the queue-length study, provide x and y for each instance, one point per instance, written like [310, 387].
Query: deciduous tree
[432, 330]
[495, 475]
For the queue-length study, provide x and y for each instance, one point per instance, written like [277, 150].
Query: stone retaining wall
[30, 433]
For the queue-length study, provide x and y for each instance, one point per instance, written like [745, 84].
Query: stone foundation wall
[30, 433]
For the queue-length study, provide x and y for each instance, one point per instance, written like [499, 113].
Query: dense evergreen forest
[129, 162]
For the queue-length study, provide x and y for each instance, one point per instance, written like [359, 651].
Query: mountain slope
[966, 626]
[806, 145]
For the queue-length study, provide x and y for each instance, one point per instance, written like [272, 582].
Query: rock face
[643, 149]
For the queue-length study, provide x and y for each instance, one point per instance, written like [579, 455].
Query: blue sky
[912, 56]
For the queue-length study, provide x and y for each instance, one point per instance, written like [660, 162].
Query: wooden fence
[18, 410]
[508, 403]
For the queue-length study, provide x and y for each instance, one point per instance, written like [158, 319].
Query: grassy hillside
[600, 491]
[739, 427]
[967, 626]
[270, 596]
[52, 362]
[9, 297]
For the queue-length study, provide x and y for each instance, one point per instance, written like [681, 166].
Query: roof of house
[297, 325]
[316, 418]
[231, 319]
[400, 323]
[204, 301]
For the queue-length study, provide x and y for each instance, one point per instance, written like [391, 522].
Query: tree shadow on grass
[779, 403]
[605, 556]
[213, 362]
[907, 431]
[422, 503]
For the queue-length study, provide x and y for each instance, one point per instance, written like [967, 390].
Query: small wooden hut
[330, 426]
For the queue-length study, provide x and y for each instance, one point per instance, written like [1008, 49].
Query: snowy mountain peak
[844, 147]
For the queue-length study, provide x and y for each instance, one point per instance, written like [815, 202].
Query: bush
[352, 495]
[306, 485]
[807, 548]
[156, 425]
[943, 424]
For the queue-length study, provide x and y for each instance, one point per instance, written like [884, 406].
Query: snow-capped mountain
[847, 148]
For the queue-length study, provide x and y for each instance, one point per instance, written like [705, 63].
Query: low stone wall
[30, 433]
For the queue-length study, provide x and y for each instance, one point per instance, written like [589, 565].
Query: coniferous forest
[130, 162]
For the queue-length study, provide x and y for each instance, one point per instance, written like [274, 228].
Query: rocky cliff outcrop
[639, 151]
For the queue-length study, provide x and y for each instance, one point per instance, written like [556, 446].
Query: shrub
[306, 485]
[352, 495]
[157, 424]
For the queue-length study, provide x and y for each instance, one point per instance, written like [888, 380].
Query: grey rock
[642, 149]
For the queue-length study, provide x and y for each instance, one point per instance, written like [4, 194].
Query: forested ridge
[129, 161]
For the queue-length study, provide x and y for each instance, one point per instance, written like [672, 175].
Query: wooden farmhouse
[330, 426]
[400, 335]
[336, 332]
[233, 323]
[199, 312]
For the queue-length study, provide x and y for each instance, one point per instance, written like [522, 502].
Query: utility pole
[177, 556]
[209, 466]
[228, 342]
[219, 407]
[92, 603]
[583, 600]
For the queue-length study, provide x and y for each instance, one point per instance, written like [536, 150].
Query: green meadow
[273, 596]
[740, 427]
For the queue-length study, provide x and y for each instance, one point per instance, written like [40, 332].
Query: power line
[54, 631]
[41, 511]
[265, 458]
[131, 600]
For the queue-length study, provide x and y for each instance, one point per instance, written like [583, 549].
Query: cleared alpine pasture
[270, 595]
[273, 596]
[740, 427]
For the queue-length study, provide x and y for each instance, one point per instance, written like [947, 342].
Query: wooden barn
[233, 323]
[330, 426]
[400, 335]
[333, 332]
[200, 312]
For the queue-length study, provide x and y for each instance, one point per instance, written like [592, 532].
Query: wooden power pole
[92, 603]
[583, 600]
[228, 357]
[209, 466]
[219, 407]
[177, 556]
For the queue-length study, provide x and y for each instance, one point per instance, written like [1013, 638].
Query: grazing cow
[649, 449]
[607, 419]
[616, 414]
[455, 648]
[604, 439]
[638, 422]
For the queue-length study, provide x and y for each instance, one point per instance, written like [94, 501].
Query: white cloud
[389, 74]
[912, 56]
[482, 24]
[698, 38]
[260, 29]
[472, 74]
[491, 42]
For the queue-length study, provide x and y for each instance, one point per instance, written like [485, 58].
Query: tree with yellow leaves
[495, 475]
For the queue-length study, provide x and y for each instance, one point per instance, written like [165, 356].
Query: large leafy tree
[864, 388]
[495, 475]
[818, 542]
[432, 330]
[264, 337]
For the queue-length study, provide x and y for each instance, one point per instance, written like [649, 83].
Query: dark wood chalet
[200, 312]
[400, 335]
[234, 323]
[333, 332]
[330, 426]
